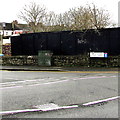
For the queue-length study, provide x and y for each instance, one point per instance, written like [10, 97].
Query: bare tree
[50, 21]
[99, 17]
[34, 15]
[80, 18]
[88, 17]
[54, 22]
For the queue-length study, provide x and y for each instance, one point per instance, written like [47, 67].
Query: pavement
[52, 68]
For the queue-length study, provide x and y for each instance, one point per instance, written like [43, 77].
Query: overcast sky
[9, 9]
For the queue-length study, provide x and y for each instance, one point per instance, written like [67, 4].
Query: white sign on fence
[98, 54]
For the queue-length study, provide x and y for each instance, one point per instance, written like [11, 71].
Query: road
[23, 90]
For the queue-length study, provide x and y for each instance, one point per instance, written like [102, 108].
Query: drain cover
[47, 107]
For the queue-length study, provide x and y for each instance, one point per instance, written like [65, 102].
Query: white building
[9, 29]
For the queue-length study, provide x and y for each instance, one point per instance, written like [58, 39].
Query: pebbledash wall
[67, 61]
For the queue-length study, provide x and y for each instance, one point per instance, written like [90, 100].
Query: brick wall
[6, 49]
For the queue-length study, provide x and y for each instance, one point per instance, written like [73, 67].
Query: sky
[9, 9]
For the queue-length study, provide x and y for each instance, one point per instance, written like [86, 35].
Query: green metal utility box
[44, 58]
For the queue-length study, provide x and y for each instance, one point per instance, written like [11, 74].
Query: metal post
[1, 38]
[119, 14]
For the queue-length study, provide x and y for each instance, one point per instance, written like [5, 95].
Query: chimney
[15, 22]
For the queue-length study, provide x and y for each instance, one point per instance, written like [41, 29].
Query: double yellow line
[67, 71]
[88, 71]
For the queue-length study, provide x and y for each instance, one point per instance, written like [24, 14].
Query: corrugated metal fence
[68, 42]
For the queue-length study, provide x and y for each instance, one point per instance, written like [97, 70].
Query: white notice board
[98, 54]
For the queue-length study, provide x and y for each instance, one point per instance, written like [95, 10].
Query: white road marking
[64, 77]
[99, 101]
[37, 109]
[11, 87]
[95, 77]
[52, 106]
[12, 78]
[114, 76]
[22, 81]
[18, 111]
[47, 107]
[56, 82]
[48, 83]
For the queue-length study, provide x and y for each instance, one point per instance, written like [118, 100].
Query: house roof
[8, 26]
[11, 26]
[23, 26]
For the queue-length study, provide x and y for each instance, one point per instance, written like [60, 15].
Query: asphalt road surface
[31, 90]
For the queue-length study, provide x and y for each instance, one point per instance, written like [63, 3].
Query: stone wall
[70, 61]
[67, 61]
[19, 60]
[111, 61]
